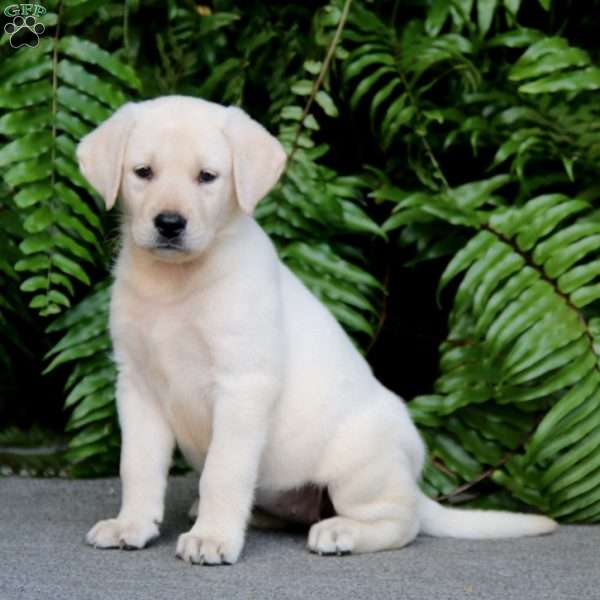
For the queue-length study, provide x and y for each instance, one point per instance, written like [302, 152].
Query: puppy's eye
[144, 172]
[206, 176]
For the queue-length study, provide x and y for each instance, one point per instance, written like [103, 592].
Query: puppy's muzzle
[170, 226]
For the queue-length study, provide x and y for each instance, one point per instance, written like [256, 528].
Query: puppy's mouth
[169, 245]
[172, 246]
[178, 248]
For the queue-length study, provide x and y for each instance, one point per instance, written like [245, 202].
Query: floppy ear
[258, 158]
[101, 152]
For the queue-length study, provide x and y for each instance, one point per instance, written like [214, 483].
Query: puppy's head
[183, 167]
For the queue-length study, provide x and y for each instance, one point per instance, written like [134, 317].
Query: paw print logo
[24, 31]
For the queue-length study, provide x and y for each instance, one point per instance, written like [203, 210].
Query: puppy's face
[184, 168]
[177, 185]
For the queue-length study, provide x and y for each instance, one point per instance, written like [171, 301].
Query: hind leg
[376, 504]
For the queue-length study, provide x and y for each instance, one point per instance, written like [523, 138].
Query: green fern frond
[12, 307]
[90, 388]
[385, 71]
[521, 122]
[52, 95]
[551, 65]
[521, 346]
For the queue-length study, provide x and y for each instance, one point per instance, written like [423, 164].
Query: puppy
[221, 349]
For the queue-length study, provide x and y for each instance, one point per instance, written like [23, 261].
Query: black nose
[169, 224]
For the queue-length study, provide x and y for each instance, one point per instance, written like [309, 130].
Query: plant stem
[384, 311]
[54, 126]
[126, 30]
[488, 472]
[324, 69]
[423, 136]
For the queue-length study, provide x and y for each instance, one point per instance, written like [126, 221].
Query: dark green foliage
[90, 387]
[51, 96]
[13, 310]
[521, 356]
[464, 131]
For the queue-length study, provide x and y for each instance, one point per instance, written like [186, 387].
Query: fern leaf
[52, 102]
[518, 338]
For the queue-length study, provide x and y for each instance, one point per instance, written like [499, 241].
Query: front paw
[120, 533]
[209, 550]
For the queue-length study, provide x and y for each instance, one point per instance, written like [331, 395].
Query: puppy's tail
[440, 521]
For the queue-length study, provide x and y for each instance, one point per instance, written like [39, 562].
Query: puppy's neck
[150, 276]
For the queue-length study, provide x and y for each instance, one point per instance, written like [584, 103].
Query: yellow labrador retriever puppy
[222, 350]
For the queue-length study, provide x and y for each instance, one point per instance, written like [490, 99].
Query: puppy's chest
[169, 351]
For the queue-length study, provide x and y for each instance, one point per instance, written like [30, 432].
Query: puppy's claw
[118, 533]
[208, 551]
[129, 547]
[331, 537]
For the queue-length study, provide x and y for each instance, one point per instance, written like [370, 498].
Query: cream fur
[222, 350]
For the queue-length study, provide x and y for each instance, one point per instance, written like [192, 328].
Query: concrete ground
[42, 556]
